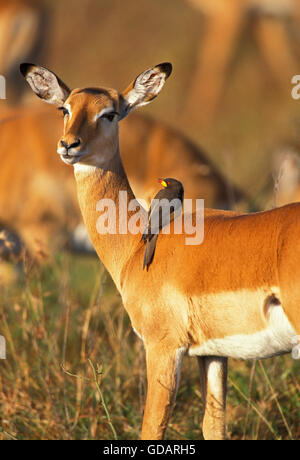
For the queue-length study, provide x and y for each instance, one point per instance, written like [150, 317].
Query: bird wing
[154, 209]
[157, 218]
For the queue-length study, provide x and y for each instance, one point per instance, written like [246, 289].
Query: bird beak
[163, 183]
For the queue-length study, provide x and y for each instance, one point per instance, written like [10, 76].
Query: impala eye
[64, 110]
[109, 116]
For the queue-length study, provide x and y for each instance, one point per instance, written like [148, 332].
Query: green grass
[57, 318]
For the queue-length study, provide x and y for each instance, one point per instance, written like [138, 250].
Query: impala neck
[96, 183]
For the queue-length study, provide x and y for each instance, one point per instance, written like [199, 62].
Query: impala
[235, 295]
[21, 37]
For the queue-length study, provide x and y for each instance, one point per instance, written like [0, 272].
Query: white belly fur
[275, 339]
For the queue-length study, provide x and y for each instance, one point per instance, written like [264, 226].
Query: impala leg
[214, 55]
[273, 40]
[201, 364]
[213, 375]
[163, 372]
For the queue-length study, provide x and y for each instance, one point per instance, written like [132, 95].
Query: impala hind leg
[163, 373]
[213, 375]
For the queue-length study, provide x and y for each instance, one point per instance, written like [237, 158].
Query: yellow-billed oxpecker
[164, 205]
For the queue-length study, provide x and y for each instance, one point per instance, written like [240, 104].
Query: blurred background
[226, 112]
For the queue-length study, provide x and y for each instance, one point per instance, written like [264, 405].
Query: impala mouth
[70, 158]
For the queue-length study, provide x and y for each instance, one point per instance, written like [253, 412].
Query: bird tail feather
[149, 251]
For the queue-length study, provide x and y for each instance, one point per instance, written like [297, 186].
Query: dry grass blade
[250, 392]
[255, 408]
[102, 399]
[276, 400]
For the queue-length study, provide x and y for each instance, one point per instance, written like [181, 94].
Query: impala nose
[73, 145]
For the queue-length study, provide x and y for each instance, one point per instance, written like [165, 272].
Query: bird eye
[64, 111]
[169, 183]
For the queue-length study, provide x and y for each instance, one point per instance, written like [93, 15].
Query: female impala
[236, 295]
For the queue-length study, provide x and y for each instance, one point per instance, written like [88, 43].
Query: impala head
[91, 115]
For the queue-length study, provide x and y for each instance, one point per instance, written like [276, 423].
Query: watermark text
[2, 347]
[123, 217]
[2, 87]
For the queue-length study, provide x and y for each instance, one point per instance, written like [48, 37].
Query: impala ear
[144, 88]
[45, 84]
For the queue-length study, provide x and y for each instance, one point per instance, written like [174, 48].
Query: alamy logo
[296, 347]
[2, 87]
[2, 347]
[131, 216]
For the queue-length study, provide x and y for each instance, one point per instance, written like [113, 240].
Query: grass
[75, 369]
